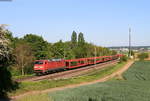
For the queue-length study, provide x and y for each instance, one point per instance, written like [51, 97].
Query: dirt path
[117, 73]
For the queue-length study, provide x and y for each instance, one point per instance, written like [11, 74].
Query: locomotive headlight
[38, 66]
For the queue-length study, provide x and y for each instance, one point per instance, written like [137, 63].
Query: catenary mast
[129, 42]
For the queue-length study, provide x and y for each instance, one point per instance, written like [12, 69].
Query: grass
[22, 76]
[40, 97]
[46, 84]
[133, 88]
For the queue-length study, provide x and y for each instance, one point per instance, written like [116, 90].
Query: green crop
[139, 71]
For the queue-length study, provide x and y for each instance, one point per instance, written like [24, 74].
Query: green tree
[113, 52]
[6, 83]
[39, 47]
[58, 50]
[89, 50]
[132, 53]
[81, 40]
[143, 56]
[68, 51]
[80, 50]
[23, 56]
[123, 58]
[74, 39]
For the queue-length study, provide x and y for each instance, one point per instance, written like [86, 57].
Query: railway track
[69, 73]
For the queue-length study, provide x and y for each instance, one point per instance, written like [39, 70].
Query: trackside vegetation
[46, 84]
[134, 87]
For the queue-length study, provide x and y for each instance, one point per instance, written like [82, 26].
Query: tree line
[33, 47]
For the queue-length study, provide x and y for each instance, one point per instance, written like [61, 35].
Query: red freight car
[73, 63]
[45, 66]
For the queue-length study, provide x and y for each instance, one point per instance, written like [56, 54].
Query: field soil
[117, 73]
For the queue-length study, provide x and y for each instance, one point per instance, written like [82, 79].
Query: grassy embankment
[46, 84]
[22, 76]
[135, 87]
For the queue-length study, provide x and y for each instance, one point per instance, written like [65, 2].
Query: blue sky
[103, 22]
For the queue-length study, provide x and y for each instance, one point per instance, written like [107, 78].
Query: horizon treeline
[33, 47]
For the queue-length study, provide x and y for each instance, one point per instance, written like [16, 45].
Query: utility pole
[95, 55]
[129, 42]
[64, 55]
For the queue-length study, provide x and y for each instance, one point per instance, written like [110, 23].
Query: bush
[123, 58]
[143, 56]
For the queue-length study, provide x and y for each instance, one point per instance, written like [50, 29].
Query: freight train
[47, 66]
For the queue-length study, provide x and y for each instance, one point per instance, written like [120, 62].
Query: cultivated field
[139, 71]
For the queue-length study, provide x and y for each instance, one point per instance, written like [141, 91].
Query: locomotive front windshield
[38, 62]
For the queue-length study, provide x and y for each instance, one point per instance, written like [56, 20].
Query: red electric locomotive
[45, 66]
